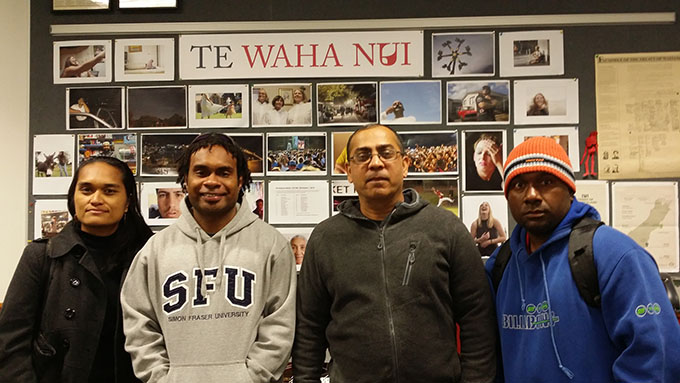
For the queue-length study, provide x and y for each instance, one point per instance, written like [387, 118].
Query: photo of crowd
[431, 152]
[292, 153]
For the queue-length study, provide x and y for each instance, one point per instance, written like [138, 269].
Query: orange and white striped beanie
[539, 154]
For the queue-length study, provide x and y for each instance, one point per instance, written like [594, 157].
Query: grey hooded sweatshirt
[207, 309]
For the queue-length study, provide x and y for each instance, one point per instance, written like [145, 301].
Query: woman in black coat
[61, 320]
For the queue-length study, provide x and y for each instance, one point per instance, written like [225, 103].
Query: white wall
[14, 68]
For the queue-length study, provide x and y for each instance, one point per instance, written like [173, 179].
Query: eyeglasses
[364, 156]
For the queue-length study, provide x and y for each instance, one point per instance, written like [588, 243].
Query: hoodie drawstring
[199, 259]
[223, 256]
[564, 369]
[519, 279]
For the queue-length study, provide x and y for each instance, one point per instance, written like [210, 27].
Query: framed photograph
[410, 102]
[463, 54]
[79, 5]
[546, 102]
[596, 194]
[95, 108]
[297, 238]
[339, 151]
[431, 152]
[531, 53]
[122, 146]
[489, 213]
[567, 137]
[347, 103]
[484, 153]
[478, 102]
[53, 161]
[160, 202]
[82, 61]
[253, 147]
[145, 59]
[440, 192]
[341, 190]
[648, 213]
[302, 154]
[297, 202]
[254, 198]
[123, 4]
[49, 217]
[218, 106]
[160, 152]
[163, 107]
[282, 104]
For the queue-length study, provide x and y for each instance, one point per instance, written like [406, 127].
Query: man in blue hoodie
[548, 332]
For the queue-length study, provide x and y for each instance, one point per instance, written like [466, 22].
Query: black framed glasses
[364, 156]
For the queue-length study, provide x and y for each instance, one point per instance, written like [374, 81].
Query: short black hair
[208, 140]
[371, 126]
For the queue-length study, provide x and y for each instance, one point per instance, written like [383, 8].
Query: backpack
[581, 260]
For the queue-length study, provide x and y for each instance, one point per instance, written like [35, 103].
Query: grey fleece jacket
[211, 309]
[386, 299]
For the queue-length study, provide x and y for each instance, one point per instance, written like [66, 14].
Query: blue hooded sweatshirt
[549, 334]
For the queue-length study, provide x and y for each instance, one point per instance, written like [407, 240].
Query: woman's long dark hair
[134, 232]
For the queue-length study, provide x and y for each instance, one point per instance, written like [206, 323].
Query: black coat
[60, 345]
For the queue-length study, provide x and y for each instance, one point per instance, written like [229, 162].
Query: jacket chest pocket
[410, 261]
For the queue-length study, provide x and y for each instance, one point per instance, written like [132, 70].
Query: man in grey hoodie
[385, 282]
[212, 297]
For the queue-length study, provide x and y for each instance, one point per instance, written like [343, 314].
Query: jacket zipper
[390, 319]
[410, 260]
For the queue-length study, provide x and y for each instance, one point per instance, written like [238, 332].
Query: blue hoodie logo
[538, 316]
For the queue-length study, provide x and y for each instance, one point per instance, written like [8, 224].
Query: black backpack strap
[502, 259]
[582, 262]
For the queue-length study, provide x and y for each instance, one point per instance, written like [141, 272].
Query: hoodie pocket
[410, 260]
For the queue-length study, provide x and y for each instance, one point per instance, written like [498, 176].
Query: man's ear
[348, 171]
[406, 162]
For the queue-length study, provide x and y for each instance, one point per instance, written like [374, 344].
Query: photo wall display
[122, 146]
[145, 59]
[290, 129]
[282, 105]
[49, 217]
[485, 152]
[301, 154]
[218, 106]
[161, 107]
[410, 102]
[160, 151]
[95, 108]
[82, 61]
[341, 190]
[297, 237]
[463, 54]
[478, 102]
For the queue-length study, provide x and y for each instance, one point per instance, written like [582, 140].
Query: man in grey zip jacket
[385, 282]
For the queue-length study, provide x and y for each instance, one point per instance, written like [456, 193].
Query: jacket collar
[67, 241]
[411, 205]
